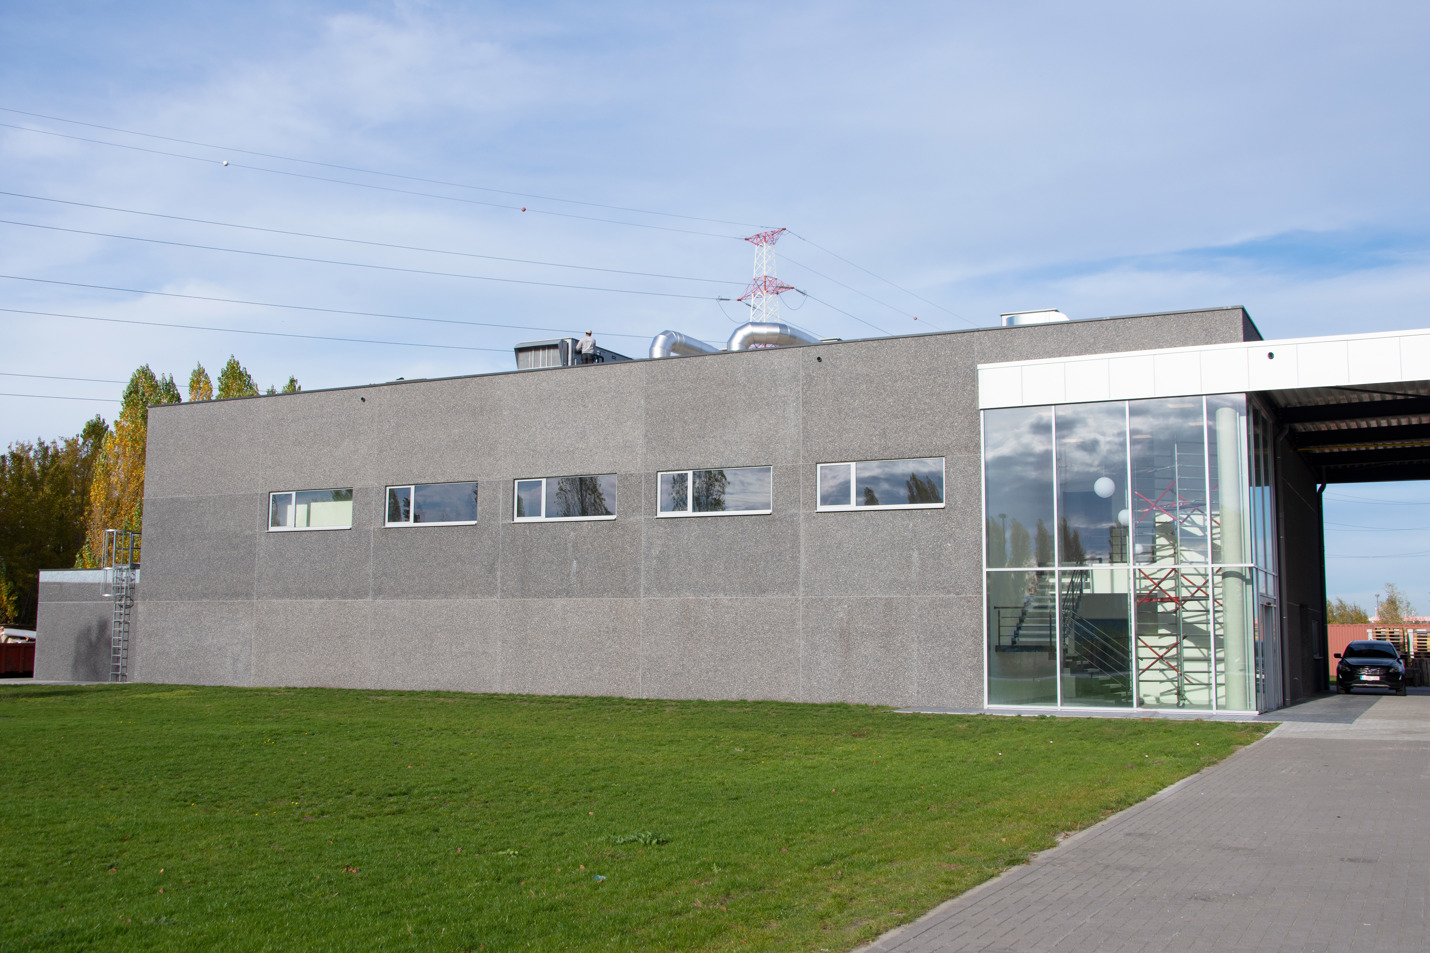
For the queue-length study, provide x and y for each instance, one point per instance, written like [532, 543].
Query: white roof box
[1014, 318]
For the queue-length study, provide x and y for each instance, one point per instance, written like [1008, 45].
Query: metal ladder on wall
[120, 569]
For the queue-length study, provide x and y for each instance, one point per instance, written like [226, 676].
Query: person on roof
[586, 347]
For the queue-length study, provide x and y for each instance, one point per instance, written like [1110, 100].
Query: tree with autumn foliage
[235, 381]
[116, 495]
[44, 491]
[200, 386]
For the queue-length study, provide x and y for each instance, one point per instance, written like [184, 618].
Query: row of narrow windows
[728, 491]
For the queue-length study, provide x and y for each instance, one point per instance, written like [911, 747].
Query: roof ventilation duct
[675, 344]
[766, 334]
[1015, 318]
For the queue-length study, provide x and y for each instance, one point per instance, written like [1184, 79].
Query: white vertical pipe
[1229, 475]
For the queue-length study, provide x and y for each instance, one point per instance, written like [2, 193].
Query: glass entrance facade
[1130, 557]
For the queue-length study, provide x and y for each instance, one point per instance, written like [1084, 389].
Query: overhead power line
[362, 185]
[393, 175]
[272, 334]
[355, 264]
[52, 377]
[300, 307]
[841, 284]
[360, 241]
[884, 280]
[103, 400]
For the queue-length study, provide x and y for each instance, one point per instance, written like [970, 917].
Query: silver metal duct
[675, 344]
[767, 333]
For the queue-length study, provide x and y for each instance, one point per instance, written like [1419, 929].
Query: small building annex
[1102, 514]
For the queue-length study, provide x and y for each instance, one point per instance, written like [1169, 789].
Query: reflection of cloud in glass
[1018, 478]
[747, 488]
[898, 482]
[834, 484]
[1091, 445]
[1169, 480]
[445, 503]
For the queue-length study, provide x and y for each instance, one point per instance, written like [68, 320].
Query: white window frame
[411, 488]
[543, 518]
[292, 509]
[850, 507]
[690, 495]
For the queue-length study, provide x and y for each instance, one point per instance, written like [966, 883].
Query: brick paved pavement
[1316, 838]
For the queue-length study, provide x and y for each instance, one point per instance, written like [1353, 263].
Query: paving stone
[1315, 838]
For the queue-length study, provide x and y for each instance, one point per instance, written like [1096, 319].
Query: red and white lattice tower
[763, 294]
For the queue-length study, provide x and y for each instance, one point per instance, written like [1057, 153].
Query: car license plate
[1370, 678]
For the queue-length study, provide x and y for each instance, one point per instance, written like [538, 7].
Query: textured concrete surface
[871, 606]
[1316, 838]
[72, 631]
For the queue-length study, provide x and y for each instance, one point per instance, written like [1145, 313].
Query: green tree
[44, 488]
[116, 496]
[235, 381]
[709, 491]
[292, 386]
[1393, 607]
[1341, 612]
[200, 386]
[922, 490]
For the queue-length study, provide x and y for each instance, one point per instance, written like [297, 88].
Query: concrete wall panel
[207, 642]
[215, 532]
[72, 633]
[571, 646]
[439, 645]
[721, 648]
[436, 562]
[313, 642]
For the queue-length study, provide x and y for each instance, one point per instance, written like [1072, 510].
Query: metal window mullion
[1213, 617]
[1057, 564]
[1130, 552]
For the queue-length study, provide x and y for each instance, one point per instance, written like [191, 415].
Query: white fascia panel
[1374, 361]
[1131, 376]
[1177, 373]
[1326, 362]
[1000, 387]
[1273, 367]
[1045, 384]
[1378, 358]
[1087, 381]
[1415, 357]
[1224, 371]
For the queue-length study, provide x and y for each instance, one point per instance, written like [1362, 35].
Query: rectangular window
[432, 504]
[310, 509]
[887, 484]
[566, 498]
[732, 491]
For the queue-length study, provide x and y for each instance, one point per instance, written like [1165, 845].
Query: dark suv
[1368, 664]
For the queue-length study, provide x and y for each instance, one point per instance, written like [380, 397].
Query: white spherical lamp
[1104, 487]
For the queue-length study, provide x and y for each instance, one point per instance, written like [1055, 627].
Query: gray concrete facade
[72, 633]
[878, 606]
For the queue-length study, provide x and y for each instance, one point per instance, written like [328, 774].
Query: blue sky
[1100, 158]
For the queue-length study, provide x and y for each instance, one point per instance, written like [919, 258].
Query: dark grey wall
[1303, 594]
[72, 634]
[880, 607]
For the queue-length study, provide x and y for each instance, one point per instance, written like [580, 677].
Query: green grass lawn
[145, 817]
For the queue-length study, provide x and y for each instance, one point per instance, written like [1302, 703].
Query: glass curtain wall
[1128, 547]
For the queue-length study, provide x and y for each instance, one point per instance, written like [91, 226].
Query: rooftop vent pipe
[1014, 318]
[675, 344]
[767, 334]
